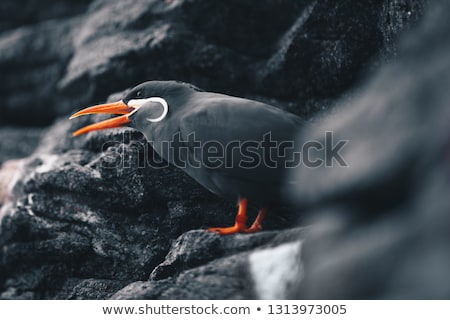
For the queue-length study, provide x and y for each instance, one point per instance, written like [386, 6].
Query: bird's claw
[228, 230]
[254, 228]
[236, 229]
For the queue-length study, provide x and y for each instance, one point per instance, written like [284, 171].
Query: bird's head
[149, 102]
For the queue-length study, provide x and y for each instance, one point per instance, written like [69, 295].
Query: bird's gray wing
[229, 122]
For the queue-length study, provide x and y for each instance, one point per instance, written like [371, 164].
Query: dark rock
[16, 143]
[143, 290]
[68, 55]
[326, 48]
[31, 62]
[397, 17]
[235, 276]
[196, 247]
[222, 279]
[381, 227]
[94, 214]
[18, 13]
[333, 44]
[93, 289]
[84, 228]
[97, 207]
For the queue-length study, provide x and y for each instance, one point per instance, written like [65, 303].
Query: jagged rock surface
[102, 216]
[301, 52]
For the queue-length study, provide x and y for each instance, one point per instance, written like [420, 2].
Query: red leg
[240, 221]
[257, 224]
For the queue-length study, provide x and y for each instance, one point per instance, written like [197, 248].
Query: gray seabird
[200, 127]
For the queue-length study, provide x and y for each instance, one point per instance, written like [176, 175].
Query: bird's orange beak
[118, 107]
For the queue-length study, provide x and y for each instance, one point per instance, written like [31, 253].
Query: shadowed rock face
[101, 216]
[18, 142]
[19, 13]
[67, 55]
[380, 229]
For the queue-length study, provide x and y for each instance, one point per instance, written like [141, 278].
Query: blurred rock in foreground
[380, 227]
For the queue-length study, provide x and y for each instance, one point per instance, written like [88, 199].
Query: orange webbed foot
[254, 228]
[240, 223]
[228, 230]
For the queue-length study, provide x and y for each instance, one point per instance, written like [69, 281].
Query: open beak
[118, 107]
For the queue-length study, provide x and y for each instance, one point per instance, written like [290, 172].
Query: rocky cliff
[90, 218]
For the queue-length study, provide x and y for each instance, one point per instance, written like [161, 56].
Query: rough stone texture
[92, 218]
[380, 229]
[302, 52]
[15, 144]
[32, 60]
[18, 142]
[76, 225]
[195, 248]
[18, 13]
[395, 21]
[93, 208]
[206, 266]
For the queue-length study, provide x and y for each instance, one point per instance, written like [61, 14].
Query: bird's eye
[138, 94]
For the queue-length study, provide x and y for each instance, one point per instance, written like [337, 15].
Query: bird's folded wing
[244, 130]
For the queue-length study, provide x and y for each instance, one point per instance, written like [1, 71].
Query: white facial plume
[137, 103]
